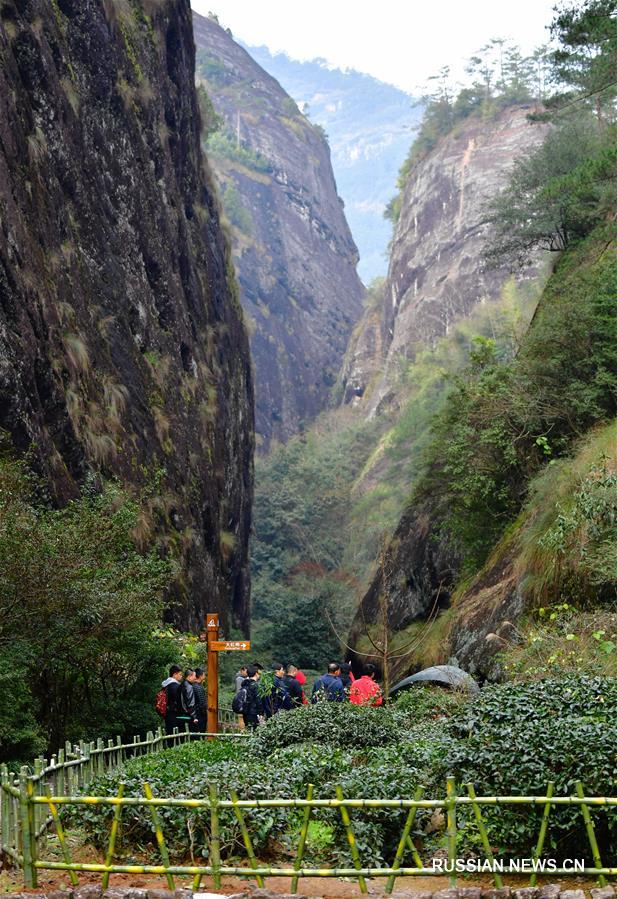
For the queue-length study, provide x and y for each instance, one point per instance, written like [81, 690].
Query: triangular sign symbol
[212, 623]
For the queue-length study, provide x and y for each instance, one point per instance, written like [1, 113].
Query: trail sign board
[229, 645]
[214, 647]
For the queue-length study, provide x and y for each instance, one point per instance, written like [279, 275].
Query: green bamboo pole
[60, 782]
[414, 853]
[451, 813]
[591, 834]
[225, 870]
[15, 817]
[215, 839]
[28, 837]
[543, 830]
[351, 839]
[483, 834]
[246, 837]
[160, 839]
[115, 824]
[405, 836]
[66, 855]
[39, 765]
[5, 810]
[306, 819]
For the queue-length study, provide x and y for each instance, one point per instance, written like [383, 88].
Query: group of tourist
[181, 701]
[338, 684]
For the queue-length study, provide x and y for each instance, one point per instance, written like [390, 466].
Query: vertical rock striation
[437, 275]
[294, 253]
[122, 349]
[437, 272]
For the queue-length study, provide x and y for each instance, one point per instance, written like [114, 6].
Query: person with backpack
[278, 699]
[240, 677]
[200, 699]
[167, 701]
[247, 701]
[296, 693]
[366, 690]
[329, 687]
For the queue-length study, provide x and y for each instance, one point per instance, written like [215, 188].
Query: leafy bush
[421, 703]
[515, 738]
[76, 593]
[511, 739]
[328, 723]
[185, 772]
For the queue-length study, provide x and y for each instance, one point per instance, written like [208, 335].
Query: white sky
[399, 41]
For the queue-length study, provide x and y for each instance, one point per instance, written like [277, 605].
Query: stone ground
[132, 887]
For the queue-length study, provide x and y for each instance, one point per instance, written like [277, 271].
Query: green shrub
[421, 702]
[515, 738]
[333, 724]
[185, 772]
[79, 605]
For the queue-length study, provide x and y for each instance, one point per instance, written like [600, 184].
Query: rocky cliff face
[436, 273]
[294, 253]
[122, 350]
[436, 276]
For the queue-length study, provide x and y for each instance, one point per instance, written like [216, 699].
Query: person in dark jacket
[201, 703]
[187, 715]
[253, 707]
[347, 675]
[294, 688]
[279, 698]
[329, 686]
[172, 686]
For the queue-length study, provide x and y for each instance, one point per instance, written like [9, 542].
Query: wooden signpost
[214, 647]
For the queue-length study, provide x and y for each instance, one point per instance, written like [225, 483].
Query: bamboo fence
[24, 820]
[28, 806]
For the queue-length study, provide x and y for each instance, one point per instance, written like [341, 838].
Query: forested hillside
[456, 410]
[517, 483]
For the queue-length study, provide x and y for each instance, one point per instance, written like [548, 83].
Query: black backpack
[281, 698]
[238, 703]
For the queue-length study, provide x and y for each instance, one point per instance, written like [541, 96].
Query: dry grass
[547, 570]
[76, 353]
[584, 642]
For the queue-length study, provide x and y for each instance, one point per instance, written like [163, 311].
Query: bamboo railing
[29, 804]
[24, 820]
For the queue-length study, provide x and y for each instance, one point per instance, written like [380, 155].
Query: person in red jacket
[365, 690]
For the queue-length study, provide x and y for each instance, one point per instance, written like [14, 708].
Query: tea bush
[330, 724]
[509, 739]
[517, 737]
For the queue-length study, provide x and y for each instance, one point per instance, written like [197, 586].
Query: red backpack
[160, 703]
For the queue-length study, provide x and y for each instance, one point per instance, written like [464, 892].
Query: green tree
[78, 608]
[556, 194]
[585, 64]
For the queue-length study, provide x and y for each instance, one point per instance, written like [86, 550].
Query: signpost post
[214, 647]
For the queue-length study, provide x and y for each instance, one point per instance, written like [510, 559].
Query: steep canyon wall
[122, 348]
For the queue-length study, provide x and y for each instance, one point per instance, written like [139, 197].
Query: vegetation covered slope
[503, 424]
[122, 348]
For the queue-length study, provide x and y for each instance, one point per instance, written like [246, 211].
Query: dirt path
[328, 888]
